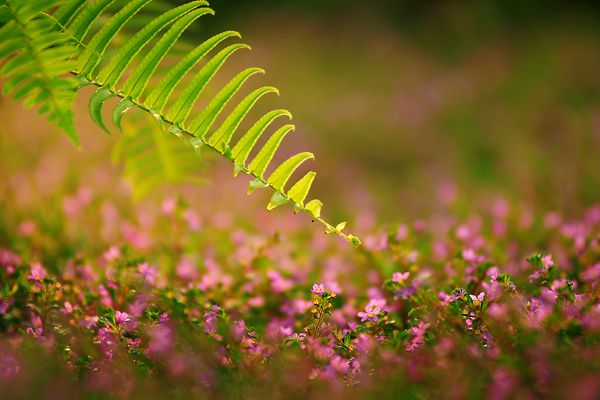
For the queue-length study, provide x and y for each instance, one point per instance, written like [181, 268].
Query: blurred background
[409, 106]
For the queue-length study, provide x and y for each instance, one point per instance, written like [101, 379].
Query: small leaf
[299, 191]
[237, 168]
[120, 110]
[314, 206]
[280, 176]
[96, 102]
[277, 200]
[260, 163]
[244, 146]
[256, 184]
[162, 91]
[340, 227]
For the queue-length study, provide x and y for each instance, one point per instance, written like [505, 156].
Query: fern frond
[42, 49]
[36, 58]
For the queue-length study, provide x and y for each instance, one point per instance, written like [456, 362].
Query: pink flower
[148, 273]
[68, 308]
[89, 322]
[400, 277]
[470, 255]
[372, 310]
[318, 289]
[477, 300]
[210, 320]
[38, 273]
[418, 338]
[163, 318]
[121, 317]
[547, 261]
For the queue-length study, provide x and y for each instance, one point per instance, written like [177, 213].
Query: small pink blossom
[400, 277]
[121, 317]
[318, 289]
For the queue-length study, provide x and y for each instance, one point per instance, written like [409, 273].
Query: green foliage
[151, 157]
[65, 43]
[36, 56]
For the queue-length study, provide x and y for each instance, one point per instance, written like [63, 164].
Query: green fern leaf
[120, 110]
[314, 207]
[204, 121]
[137, 82]
[181, 109]
[95, 49]
[278, 199]
[95, 106]
[245, 145]
[223, 134]
[86, 17]
[157, 99]
[117, 65]
[299, 191]
[68, 9]
[280, 176]
[36, 58]
[260, 163]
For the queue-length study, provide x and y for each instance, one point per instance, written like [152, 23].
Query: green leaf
[256, 183]
[314, 206]
[113, 71]
[340, 227]
[202, 123]
[95, 49]
[245, 145]
[229, 126]
[137, 82]
[280, 176]
[260, 163]
[277, 200]
[299, 191]
[86, 18]
[181, 109]
[159, 96]
[95, 106]
[68, 9]
[120, 110]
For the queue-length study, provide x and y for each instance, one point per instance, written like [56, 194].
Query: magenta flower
[318, 289]
[210, 320]
[121, 317]
[418, 338]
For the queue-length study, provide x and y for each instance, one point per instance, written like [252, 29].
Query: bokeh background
[410, 106]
